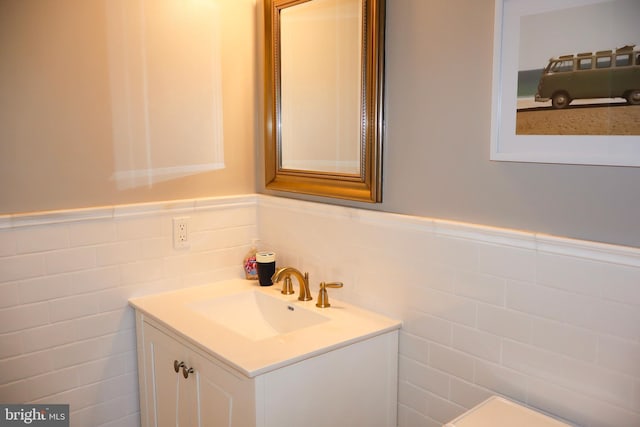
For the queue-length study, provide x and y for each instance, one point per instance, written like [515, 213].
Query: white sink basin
[256, 315]
[256, 329]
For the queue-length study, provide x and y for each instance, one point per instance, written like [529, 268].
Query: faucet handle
[323, 296]
[287, 286]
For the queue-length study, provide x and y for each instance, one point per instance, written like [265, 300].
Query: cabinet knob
[186, 372]
[177, 365]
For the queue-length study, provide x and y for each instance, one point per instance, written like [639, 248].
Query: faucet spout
[303, 281]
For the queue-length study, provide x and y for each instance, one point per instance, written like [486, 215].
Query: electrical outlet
[181, 232]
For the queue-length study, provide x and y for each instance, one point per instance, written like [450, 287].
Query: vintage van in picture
[603, 74]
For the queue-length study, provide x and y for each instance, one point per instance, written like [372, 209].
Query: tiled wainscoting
[553, 323]
[67, 334]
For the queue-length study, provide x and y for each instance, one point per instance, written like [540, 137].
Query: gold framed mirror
[324, 78]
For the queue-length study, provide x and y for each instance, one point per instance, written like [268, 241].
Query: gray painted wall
[436, 158]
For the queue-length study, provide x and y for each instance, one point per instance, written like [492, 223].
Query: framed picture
[566, 82]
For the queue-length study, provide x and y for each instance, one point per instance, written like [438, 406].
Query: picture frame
[524, 33]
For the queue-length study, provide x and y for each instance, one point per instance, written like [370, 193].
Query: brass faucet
[303, 281]
[323, 296]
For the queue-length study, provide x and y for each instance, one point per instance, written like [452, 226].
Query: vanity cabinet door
[212, 395]
[171, 398]
[226, 398]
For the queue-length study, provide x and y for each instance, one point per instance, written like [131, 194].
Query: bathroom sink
[256, 315]
[257, 329]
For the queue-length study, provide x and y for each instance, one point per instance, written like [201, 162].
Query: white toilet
[499, 412]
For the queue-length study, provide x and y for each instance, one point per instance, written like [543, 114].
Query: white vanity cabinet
[354, 385]
[210, 395]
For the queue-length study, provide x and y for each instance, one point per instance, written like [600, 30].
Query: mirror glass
[323, 103]
[320, 86]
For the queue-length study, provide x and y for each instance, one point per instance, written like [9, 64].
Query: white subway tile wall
[553, 323]
[67, 334]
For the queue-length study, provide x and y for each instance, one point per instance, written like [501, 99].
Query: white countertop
[347, 324]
